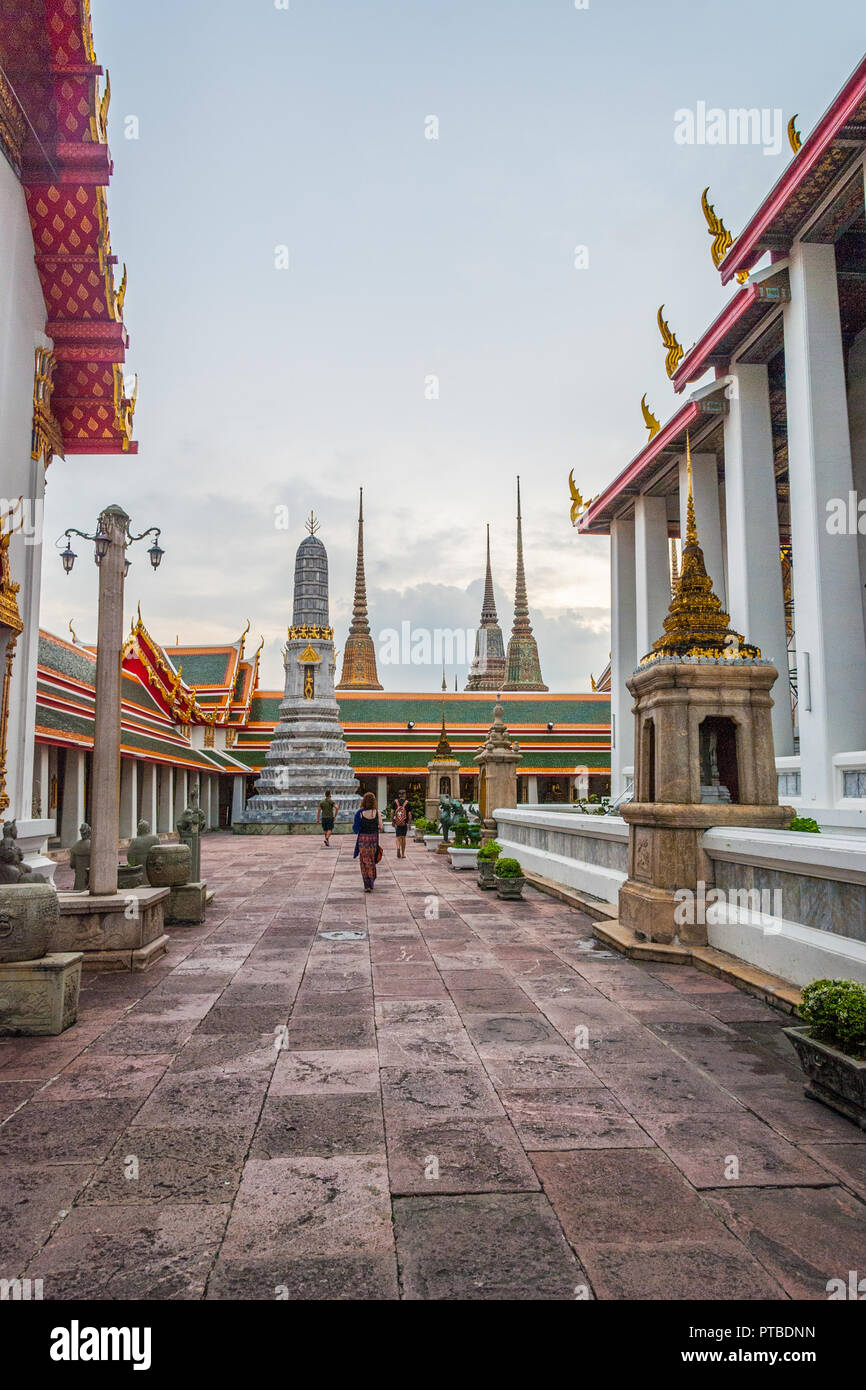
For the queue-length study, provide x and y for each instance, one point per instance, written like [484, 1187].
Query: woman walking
[368, 824]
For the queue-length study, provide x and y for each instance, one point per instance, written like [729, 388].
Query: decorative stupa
[359, 657]
[523, 670]
[308, 753]
[488, 668]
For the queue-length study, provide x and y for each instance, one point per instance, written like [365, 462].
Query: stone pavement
[271, 1112]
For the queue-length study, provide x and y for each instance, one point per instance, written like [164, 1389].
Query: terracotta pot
[168, 865]
[831, 1076]
[28, 913]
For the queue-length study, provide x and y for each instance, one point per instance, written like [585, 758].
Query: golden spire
[649, 419]
[696, 624]
[359, 662]
[674, 567]
[674, 350]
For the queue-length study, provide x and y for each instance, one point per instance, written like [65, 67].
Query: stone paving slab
[479, 1104]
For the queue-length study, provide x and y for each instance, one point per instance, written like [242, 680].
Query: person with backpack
[401, 819]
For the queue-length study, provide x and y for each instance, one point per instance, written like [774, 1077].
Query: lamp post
[110, 543]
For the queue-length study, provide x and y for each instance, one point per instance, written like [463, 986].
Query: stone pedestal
[39, 998]
[120, 931]
[677, 798]
[498, 761]
[186, 904]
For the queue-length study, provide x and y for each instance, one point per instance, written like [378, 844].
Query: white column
[128, 799]
[239, 796]
[72, 807]
[652, 570]
[857, 422]
[708, 515]
[532, 790]
[25, 562]
[828, 609]
[165, 802]
[148, 809]
[623, 649]
[213, 801]
[382, 791]
[756, 599]
[181, 788]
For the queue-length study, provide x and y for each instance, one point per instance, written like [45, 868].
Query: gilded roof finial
[722, 239]
[578, 504]
[649, 419]
[312, 524]
[795, 139]
[674, 351]
[72, 630]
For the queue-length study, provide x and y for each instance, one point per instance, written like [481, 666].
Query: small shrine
[703, 750]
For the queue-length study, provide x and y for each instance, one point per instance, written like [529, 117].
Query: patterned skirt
[367, 847]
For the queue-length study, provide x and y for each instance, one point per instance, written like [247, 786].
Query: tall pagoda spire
[524, 667]
[488, 665]
[359, 657]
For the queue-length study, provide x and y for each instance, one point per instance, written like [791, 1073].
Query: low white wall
[589, 853]
[819, 883]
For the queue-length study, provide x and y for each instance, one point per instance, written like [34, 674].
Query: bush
[836, 1011]
[420, 824]
[508, 868]
[431, 827]
[490, 851]
[805, 823]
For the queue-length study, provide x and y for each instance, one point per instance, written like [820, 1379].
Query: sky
[322, 296]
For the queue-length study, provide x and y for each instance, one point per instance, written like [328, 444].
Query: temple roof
[836, 142]
[53, 112]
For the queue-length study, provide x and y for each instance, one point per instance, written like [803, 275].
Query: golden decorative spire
[674, 567]
[649, 419]
[722, 239]
[795, 139]
[674, 350]
[312, 524]
[578, 505]
[696, 624]
[359, 662]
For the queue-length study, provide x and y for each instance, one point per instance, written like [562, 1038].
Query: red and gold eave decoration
[48, 52]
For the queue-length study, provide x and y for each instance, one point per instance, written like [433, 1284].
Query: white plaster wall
[22, 321]
[857, 426]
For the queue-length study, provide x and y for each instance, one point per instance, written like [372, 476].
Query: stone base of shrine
[186, 905]
[39, 998]
[120, 931]
[287, 827]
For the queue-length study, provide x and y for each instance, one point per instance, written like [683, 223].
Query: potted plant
[463, 853]
[419, 826]
[832, 1046]
[487, 857]
[433, 837]
[510, 878]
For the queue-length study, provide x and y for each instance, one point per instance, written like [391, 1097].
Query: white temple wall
[22, 321]
[857, 427]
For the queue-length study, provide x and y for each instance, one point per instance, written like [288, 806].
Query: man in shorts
[327, 814]
[402, 819]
